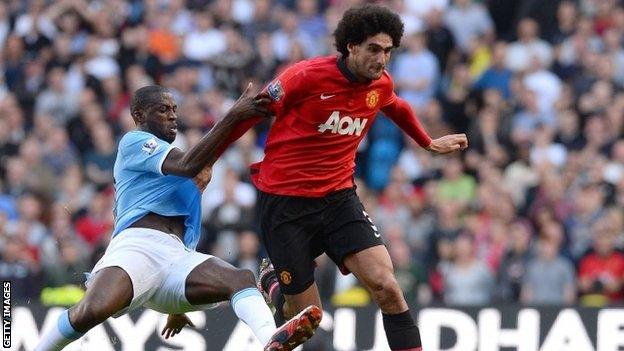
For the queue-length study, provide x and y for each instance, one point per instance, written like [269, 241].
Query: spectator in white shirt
[521, 52]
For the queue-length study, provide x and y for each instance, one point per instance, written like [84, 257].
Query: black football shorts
[296, 230]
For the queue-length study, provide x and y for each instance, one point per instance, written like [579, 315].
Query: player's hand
[203, 178]
[448, 143]
[250, 105]
[175, 323]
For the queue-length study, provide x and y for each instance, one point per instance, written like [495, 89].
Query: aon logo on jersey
[343, 125]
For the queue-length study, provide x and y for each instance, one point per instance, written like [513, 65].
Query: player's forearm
[238, 131]
[401, 113]
[206, 151]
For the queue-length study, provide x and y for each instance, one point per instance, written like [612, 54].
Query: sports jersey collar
[342, 66]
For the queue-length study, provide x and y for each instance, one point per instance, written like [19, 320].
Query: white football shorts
[158, 264]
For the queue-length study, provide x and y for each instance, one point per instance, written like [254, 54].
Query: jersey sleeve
[143, 152]
[286, 88]
[401, 113]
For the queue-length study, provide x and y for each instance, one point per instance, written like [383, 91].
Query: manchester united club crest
[285, 277]
[372, 98]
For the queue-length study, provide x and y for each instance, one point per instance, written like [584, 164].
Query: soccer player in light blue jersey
[151, 260]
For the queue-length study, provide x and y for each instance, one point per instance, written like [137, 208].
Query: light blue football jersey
[141, 187]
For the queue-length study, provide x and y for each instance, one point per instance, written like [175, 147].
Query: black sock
[271, 285]
[401, 331]
[278, 301]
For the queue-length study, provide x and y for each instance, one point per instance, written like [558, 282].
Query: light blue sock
[61, 335]
[250, 307]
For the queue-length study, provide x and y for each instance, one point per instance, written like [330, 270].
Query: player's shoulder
[316, 65]
[134, 136]
[139, 137]
[322, 65]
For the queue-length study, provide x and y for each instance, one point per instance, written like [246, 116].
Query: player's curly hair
[359, 23]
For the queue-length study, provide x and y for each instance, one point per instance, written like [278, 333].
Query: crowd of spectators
[532, 212]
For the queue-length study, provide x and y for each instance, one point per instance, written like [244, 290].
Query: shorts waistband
[141, 230]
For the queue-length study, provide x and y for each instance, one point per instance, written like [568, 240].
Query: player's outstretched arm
[400, 112]
[189, 164]
[448, 143]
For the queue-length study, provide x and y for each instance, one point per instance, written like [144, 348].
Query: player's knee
[384, 286]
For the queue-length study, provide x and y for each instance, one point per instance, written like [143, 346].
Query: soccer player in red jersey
[323, 108]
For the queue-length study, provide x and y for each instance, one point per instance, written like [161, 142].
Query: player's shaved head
[145, 97]
[359, 23]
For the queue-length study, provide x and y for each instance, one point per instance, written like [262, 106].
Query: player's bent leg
[109, 293]
[215, 280]
[374, 270]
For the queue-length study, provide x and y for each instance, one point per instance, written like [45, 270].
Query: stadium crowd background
[532, 213]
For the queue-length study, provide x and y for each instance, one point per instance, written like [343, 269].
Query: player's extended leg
[374, 270]
[215, 280]
[109, 293]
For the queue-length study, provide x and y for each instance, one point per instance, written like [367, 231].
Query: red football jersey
[322, 113]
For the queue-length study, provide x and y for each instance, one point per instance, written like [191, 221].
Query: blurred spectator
[17, 266]
[248, 251]
[163, 42]
[567, 15]
[57, 100]
[468, 20]
[40, 176]
[204, 41]
[227, 212]
[409, 273]
[545, 152]
[467, 281]
[71, 267]
[601, 271]
[416, 72]
[497, 76]
[549, 278]
[521, 53]
[589, 201]
[96, 223]
[456, 185]
[440, 40]
[313, 25]
[99, 162]
[231, 64]
[422, 8]
[514, 265]
[59, 152]
[288, 35]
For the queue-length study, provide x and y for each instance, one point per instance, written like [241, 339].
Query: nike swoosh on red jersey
[325, 97]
